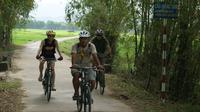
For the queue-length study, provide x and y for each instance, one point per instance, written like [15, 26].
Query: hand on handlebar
[100, 67]
[75, 66]
[60, 58]
[37, 57]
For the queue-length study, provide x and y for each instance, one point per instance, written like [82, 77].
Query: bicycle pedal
[76, 97]
[53, 89]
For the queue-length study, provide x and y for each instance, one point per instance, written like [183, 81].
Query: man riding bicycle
[102, 45]
[48, 49]
[82, 55]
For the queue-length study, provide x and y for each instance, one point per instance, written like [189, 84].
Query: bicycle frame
[85, 94]
[47, 82]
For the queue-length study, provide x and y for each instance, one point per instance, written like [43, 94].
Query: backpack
[88, 51]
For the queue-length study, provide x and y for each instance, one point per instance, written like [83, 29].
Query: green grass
[14, 84]
[23, 36]
[67, 45]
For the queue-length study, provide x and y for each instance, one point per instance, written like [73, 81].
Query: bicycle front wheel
[49, 87]
[79, 102]
[87, 100]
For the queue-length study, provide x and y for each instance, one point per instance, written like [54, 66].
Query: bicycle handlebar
[83, 68]
[48, 59]
[86, 68]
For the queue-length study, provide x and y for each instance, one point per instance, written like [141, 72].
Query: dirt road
[61, 101]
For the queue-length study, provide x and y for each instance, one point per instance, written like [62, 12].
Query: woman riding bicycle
[48, 49]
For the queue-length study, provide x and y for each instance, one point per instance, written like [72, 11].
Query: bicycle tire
[79, 102]
[49, 87]
[97, 81]
[87, 100]
[44, 83]
[102, 83]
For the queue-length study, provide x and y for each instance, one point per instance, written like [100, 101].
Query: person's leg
[76, 84]
[41, 67]
[93, 82]
[92, 78]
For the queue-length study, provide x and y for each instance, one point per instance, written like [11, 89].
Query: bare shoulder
[91, 44]
[55, 42]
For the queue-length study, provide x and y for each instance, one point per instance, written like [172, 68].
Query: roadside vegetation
[10, 96]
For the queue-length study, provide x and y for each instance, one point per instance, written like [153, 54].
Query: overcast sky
[49, 10]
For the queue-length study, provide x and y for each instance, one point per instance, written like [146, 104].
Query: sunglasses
[51, 35]
[84, 37]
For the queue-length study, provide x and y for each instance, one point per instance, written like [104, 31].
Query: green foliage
[66, 46]
[125, 54]
[14, 84]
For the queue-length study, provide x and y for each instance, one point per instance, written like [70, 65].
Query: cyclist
[48, 49]
[82, 54]
[102, 45]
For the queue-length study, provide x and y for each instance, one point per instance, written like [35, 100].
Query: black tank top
[100, 44]
[48, 50]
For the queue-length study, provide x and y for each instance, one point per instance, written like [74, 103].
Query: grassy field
[23, 36]
[67, 45]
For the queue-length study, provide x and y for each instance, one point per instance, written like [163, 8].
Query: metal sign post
[164, 11]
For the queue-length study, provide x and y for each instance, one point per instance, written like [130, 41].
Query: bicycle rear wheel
[97, 80]
[102, 83]
[87, 100]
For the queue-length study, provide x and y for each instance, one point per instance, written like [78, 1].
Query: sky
[49, 10]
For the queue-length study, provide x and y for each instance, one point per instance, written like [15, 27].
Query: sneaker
[53, 88]
[75, 97]
[40, 78]
[92, 100]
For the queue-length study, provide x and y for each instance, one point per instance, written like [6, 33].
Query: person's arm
[40, 49]
[57, 48]
[73, 55]
[95, 57]
[108, 48]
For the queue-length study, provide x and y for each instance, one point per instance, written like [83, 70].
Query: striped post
[164, 62]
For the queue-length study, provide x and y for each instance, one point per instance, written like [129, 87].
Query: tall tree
[11, 11]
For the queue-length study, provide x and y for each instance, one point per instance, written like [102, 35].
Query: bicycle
[100, 80]
[85, 93]
[47, 79]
